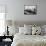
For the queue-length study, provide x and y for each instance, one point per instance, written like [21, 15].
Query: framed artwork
[30, 9]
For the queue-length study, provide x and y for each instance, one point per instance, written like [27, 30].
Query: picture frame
[30, 9]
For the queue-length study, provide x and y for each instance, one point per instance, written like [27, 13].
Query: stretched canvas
[30, 10]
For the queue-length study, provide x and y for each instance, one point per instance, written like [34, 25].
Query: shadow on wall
[21, 23]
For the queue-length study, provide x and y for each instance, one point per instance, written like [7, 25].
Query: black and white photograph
[30, 10]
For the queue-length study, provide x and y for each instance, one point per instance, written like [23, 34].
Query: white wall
[15, 10]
